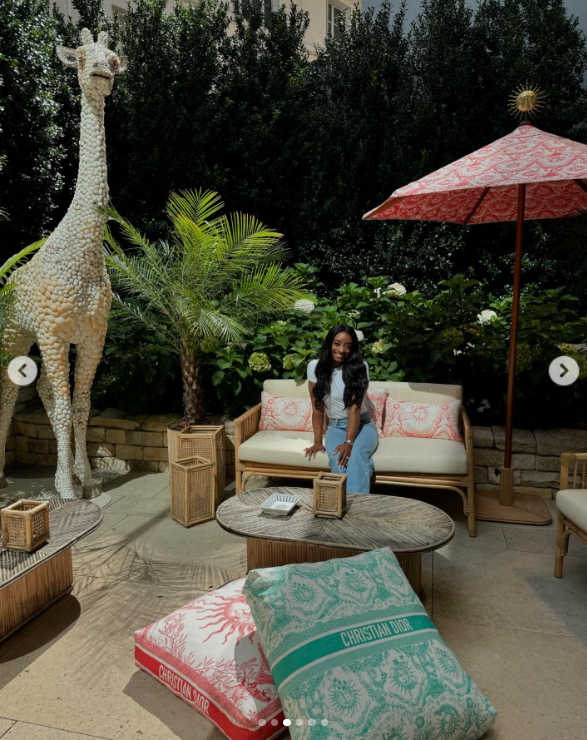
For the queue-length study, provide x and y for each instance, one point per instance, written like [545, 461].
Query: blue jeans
[360, 464]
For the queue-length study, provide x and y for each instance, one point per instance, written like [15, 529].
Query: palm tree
[212, 282]
[6, 288]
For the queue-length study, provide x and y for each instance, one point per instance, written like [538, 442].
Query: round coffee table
[408, 526]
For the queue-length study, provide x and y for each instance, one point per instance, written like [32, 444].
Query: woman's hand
[311, 452]
[344, 452]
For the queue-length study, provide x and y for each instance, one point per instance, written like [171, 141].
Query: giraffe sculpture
[62, 295]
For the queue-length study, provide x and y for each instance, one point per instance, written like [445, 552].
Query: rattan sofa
[399, 461]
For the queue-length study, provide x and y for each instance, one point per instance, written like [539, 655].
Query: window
[243, 5]
[240, 6]
[267, 10]
[120, 15]
[335, 16]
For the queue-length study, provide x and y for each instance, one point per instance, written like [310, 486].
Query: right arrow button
[563, 370]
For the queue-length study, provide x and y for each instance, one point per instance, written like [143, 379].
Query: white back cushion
[287, 388]
[425, 392]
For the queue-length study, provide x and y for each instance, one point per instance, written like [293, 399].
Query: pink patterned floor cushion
[416, 419]
[208, 653]
[375, 405]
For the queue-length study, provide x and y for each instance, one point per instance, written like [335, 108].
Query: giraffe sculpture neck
[91, 190]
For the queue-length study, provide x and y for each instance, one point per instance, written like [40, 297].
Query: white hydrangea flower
[377, 347]
[360, 335]
[395, 289]
[485, 316]
[354, 314]
[304, 306]
[484, 406]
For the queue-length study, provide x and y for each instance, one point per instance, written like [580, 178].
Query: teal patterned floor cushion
[355, 656]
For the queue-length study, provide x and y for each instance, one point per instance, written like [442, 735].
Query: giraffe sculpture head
[96, 64]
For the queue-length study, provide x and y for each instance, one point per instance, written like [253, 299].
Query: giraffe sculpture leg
[8, 395]
[54, 390]
[88, 357]
[45, 392]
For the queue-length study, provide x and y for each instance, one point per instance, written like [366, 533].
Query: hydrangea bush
[459, 336]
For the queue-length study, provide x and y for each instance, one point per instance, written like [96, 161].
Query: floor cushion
[394, 454]
[209, 654]
[355, 656]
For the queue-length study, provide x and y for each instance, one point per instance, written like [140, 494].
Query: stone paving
[70, 674]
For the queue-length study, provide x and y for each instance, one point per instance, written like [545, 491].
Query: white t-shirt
[334, 403]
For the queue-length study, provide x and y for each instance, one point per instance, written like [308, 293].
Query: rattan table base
[269, 553]
[26, 597]
[30, 582]
[409, 527]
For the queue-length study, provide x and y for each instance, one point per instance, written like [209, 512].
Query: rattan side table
[192, 490]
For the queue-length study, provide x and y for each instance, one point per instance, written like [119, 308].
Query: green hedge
[407, 337]
[307, 146]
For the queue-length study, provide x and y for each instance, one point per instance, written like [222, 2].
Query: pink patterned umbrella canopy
[483, 186]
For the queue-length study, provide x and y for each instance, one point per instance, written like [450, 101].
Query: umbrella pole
[507, 506]
[506, 491]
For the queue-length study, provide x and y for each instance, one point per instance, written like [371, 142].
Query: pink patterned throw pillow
[285, 414]
[282, 413]
[375, 405]
[208, 653]
[417, 419]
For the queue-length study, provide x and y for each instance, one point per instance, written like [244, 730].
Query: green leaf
[218, 377]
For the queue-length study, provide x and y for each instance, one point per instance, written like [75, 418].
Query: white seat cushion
[417, 455]
[573, 504]
[282, 448]
[394, 454]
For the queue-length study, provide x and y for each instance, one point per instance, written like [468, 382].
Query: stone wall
[535, 457]
[116, 441]
[27, 398]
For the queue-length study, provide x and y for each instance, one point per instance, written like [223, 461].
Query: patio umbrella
[528, 174]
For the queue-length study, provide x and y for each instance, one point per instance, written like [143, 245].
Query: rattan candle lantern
[25, 525]
[208, 442]
[193, 490]
[329, 495]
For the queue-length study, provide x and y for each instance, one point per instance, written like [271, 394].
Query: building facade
[323, 15]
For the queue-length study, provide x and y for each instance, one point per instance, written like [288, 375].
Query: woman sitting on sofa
[338, 383]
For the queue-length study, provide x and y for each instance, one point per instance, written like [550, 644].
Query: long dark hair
[354, 373]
